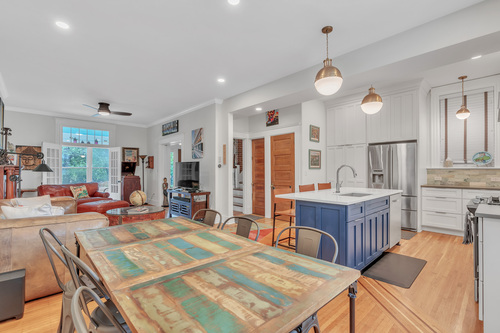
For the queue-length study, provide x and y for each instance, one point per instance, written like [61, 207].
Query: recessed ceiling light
[62, 25]
[476, 57]
[233, 2]
[221, 80]
[258, 109]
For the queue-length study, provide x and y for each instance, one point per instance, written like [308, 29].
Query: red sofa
[96, 202]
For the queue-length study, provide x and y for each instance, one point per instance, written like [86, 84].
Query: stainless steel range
[471, 207]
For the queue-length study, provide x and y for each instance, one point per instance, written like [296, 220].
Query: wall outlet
[438, 178]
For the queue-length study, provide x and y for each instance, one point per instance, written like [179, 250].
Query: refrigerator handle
[389, 167]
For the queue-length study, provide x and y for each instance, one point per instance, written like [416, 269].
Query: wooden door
[282, 165]
[258, 178]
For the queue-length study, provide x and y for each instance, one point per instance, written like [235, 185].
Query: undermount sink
[354, 194]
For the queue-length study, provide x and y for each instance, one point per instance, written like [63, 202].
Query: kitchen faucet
[338, 184]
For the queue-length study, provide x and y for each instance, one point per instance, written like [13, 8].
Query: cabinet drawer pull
[440, 213]
[395, 200]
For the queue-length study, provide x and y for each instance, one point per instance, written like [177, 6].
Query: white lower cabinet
[446, 208]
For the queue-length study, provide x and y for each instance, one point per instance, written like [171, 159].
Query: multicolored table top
[208, 280]
[98, 239]
[124, 265]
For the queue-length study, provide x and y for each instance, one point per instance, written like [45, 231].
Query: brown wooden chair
[306, 188]
[324, 186]
[289, 212]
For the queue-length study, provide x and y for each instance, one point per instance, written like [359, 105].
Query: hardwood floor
[440, 300]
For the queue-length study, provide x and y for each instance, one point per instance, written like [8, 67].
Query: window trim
[60, 123]
[435, 119]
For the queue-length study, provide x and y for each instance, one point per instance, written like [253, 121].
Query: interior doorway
[238, 185]
[258, 177]
[169, 152]
[282, 165]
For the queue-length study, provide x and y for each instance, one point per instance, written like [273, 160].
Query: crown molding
[186, 111]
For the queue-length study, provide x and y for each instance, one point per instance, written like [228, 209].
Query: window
[85, 164]
[85, 136]
[461, 139]
[172, 163]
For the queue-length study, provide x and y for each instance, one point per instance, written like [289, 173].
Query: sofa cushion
[32, 202]
[79, 192]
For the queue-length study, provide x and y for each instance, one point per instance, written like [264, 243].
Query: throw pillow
[56, 210]
[32, 202]
[22, 212]
[79, 191]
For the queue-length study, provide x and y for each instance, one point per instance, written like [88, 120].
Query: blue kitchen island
[358, 219]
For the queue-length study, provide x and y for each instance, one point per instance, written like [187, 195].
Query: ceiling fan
[103, 110]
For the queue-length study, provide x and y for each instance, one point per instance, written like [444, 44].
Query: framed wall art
[197, 147]
[130, 155]
[272, 118]
[313, 133]
[169, 128]
[29, 162]
[314, 159]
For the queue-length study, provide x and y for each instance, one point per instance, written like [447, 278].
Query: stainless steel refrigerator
[394, 166]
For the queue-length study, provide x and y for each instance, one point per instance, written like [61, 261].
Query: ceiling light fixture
[233, 2]
[62, 25]
[372, 103]
[476, 57]
[221, 80]
[258, 109]
[328, 80]
[463, 113]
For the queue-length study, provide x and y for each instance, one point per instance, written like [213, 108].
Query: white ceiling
[157, 58]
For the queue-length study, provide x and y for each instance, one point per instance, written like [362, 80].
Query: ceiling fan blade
[95, 115]
[90, 106]
[118, 113]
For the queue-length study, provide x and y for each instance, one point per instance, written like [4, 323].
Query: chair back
[308, 240]
[306, 188]
[79, 304]
[324, 186]
[209, 218]
[76, 264]
[50, 249]
[243, 226]
[281, 190]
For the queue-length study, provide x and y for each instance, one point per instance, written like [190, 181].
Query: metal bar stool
[290, 213]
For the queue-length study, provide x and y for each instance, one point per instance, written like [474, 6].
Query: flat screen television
[187, 174]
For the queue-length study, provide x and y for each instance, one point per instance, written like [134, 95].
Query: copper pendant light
[372, 103]
[328, 80]
[463, 113]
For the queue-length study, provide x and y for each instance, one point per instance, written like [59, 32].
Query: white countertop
[489, 211]
[329, 197]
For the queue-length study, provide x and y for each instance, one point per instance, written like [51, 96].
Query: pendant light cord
[327, 46]
[463, 97]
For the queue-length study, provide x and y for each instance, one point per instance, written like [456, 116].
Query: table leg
[120, 220]
[353, 290]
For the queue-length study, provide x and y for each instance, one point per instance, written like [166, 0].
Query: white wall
[313, 113]
[32, 129]
[289, 116]
[204, 118]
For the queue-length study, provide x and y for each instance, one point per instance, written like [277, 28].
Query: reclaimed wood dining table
[178, 275]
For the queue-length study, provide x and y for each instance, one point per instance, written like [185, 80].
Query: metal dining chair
[243, 226]
[209, 218]
[306, 188]
[80, 311]
[100, 322]
[307, 241]
[324, 186]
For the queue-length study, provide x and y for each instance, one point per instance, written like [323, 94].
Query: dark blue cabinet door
[332, 221]
[383, 232]
[356, 243]
[371, 237]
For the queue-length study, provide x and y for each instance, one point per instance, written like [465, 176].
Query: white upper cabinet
[397, 121]
[355, 156]
[346, 125]
[404, 116]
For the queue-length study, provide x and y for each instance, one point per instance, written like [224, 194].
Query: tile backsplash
[478, 177]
